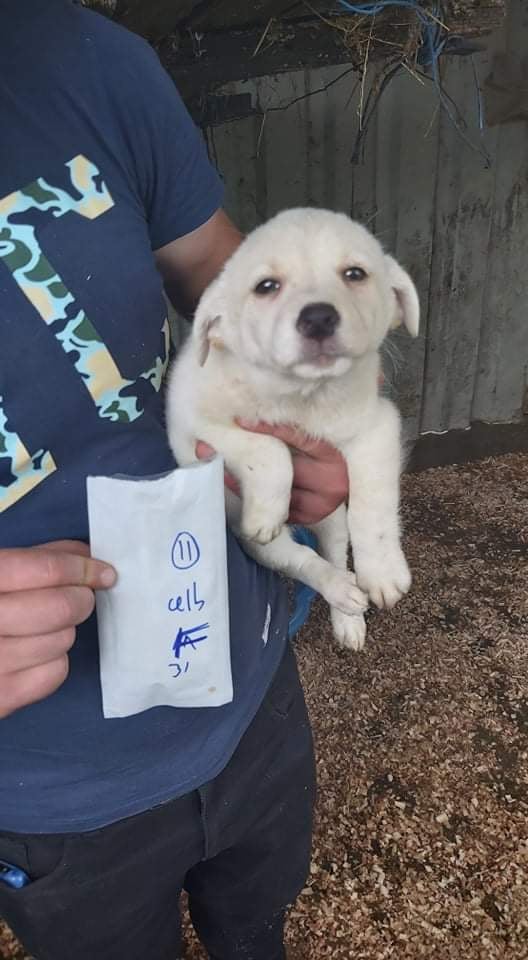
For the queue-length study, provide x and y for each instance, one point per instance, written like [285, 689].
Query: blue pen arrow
[185, 638]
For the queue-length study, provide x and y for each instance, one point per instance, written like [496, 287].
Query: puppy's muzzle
[317, 321]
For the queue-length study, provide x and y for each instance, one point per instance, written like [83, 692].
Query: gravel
[421, 843]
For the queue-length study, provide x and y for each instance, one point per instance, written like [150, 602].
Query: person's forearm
[189, 264]
[205, 271]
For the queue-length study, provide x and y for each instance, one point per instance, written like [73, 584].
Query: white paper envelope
[164, 626]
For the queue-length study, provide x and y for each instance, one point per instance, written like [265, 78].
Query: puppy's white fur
[248, 358]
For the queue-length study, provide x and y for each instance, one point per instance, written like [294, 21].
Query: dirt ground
[421, 846]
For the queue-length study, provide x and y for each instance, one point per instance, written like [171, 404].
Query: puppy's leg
[332, 537]
[374, 463]
[263, 467]
[300, 562]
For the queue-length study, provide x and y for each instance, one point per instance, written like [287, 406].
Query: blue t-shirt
[99, 165]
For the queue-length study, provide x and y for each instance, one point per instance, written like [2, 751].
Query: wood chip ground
[421, 845]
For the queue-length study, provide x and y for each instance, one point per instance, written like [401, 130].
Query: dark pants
[240, 847]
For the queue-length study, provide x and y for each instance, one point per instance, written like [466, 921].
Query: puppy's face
[306, 294]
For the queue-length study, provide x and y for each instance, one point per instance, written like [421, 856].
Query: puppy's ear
[407, 306]
[208, 317]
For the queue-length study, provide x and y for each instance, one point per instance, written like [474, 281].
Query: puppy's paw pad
[386, 579]
[341, 591]
[349, 632]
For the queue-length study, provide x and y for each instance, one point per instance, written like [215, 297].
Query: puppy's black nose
[317, 320]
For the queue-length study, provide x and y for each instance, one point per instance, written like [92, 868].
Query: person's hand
[45, 592]
[320, 478]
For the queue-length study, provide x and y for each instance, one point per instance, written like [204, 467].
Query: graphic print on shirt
[41, 284]
[26, 469]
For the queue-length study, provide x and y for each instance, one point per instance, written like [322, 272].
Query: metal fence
[458, 222]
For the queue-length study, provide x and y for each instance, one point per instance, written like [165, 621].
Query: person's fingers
[77, 547]
[292, 436]
[35, 569]
[231, 483]
[307, 507]
[204, 451]
[31, 612]
[331, 482]
[24, 653]
[28, 686]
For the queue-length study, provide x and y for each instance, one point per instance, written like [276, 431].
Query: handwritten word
[179, 668]
[185, 551]
[186, 602]
[186, 638]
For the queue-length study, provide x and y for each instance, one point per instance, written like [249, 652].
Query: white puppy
[289, 333]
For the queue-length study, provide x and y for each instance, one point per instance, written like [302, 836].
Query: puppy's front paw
[260, 522]
[384, 577]
[340, 590]
[350, 632]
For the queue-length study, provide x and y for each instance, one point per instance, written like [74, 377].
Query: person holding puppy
[106, 194]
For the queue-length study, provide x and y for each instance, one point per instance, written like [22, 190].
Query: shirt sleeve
[179, 187]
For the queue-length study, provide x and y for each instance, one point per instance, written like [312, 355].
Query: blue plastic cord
[433, 40]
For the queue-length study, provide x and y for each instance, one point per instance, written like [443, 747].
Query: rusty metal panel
[501, 387]
[461, 234]
[458, 223]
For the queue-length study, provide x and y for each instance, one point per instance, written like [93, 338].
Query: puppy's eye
[267, 286]
[354, 274]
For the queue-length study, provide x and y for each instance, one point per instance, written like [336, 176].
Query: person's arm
[189, 263]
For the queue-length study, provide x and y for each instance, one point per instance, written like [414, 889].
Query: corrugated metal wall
[459, 226]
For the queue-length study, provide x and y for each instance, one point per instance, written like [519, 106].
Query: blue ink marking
[184, 638]
[185, 551]
[179, 668]
[186, 602]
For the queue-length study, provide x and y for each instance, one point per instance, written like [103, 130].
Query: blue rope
[434, 42]
[303, 595]
[433, 39]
